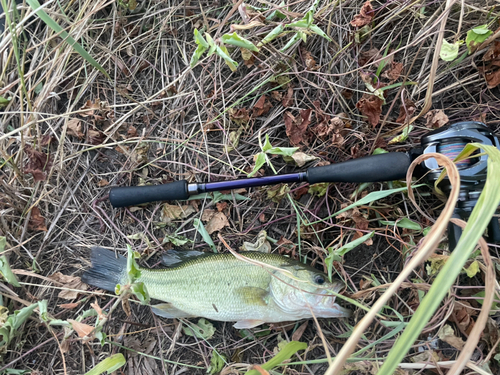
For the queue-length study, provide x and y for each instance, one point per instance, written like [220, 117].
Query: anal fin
[248, 323]
[167, 310]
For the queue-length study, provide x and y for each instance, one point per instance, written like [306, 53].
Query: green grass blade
[109, 365]
[204, 234]
[63, 34]
[373, 196]
[483, 211]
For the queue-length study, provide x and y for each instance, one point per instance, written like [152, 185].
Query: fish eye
[318, 279]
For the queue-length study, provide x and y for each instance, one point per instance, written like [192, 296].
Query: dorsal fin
[174, 257]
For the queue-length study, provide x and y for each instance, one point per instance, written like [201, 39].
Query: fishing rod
[448, 140]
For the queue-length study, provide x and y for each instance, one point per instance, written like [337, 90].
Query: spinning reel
[450, 141]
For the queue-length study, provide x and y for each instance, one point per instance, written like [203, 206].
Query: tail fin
[107, 271]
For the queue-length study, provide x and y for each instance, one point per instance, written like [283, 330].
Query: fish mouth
[325, 307]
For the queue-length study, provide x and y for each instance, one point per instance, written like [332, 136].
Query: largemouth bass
[225, 288]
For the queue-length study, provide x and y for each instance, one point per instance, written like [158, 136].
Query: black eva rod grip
[375, 168]
[132, 195]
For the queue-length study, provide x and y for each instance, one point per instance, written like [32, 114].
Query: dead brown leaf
[308, 59]
[217, 222]
[96, 137]
[436, 118]
[366, 57]
[447, 335]
[262, 106]
[297, 335]
[239, 116]
[82, 329]
[131, 132]
[75, 128]
[296, 127]
[37, 221]
[365, 15]
[98, 309]
[276, 95]
[70, 282]
[38, 163]
[462, 316]
[69, 306]
[394, 71]
[221, 206]
[247, 56]
[103, 182]
[170, 212]
[406, 112]
[371, 107]
[207, 214]
[491, 333]
[491, 71]
[288, 98]
[492, 78]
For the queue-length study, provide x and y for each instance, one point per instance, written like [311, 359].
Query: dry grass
[158, 120]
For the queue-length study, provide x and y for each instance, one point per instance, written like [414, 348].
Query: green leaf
[4, 102]
[286, 353]
[480, 299]
[133, 270]
[372, 197]
[283, 151]
[6, 272]
[318, 189]
[403, 223]
[42, 307]
[260, 160]
[109, 365]
[267, 144]
[336, 255]
[276, 13]
[202, 47]
[379, 151]
[204, 234]
[302, 23]
[198, 38]
[478, 221]
[315, 29]
[35, 5]
[477, 36]
[222, 52]
[217, 363]
[38, 88]
[203, 329]
[273, 34]
[139, 290]
[298, 35]
[211, 43]
[238, 41]
[176, 240]
[449, 52]
[473, 269]
[403, 136]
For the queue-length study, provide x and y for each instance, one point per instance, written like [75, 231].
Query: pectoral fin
[249, 323]
[253, 295]
[167, 310]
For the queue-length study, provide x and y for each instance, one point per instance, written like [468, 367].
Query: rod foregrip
[375, 168]
[133, 195]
